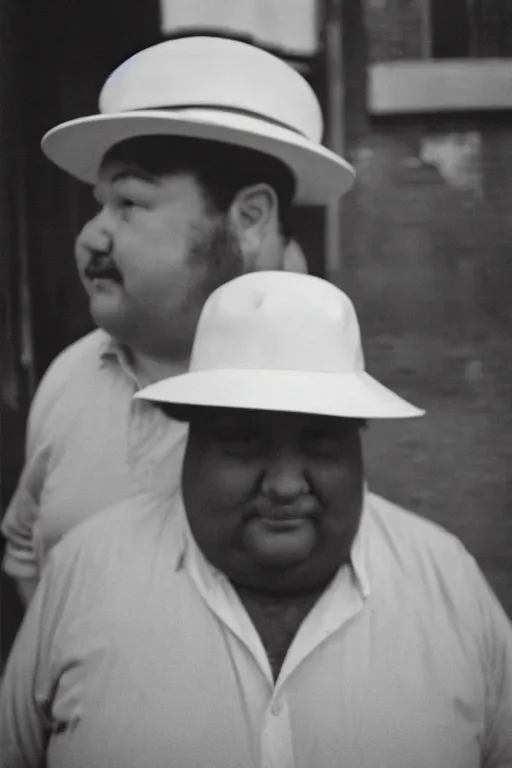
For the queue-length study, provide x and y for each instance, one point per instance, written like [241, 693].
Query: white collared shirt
[135, 651]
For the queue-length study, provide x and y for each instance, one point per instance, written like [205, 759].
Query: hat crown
[214, 74]
[278, 321]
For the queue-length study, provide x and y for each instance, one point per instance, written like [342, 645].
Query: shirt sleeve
[17, 527]
[495, 630]
[23, 694]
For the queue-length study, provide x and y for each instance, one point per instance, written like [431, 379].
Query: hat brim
[78, 146]
[346, 395]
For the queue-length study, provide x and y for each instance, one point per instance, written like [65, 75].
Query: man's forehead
[170, 182]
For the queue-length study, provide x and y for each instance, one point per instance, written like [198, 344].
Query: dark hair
[222, 169]
[186, 413]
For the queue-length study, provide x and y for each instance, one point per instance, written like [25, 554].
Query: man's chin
[280, 544]
[106, 308]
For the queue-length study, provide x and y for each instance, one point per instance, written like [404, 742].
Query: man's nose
[96, 235]
[285, 478]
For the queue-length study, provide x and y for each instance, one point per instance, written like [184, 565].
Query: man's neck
[277, 619]
[152, 369]
[271, 600]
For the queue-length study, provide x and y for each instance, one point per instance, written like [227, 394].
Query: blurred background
[417, 94]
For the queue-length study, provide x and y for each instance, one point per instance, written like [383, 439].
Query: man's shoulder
[84, 353]
[73, 366]
[131, 528]
[411, 533]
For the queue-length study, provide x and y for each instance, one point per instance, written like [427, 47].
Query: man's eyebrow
[125, 174]
[133, 173]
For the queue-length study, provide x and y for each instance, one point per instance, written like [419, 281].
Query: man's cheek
[234, 483]
[147, 283]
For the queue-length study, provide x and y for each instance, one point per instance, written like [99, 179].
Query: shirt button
[276, 708]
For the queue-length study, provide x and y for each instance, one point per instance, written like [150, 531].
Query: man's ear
[254, 217]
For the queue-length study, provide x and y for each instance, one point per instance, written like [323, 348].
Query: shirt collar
[112, 351]
[359, 548]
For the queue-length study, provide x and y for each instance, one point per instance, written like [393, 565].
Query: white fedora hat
[280, 341]
[214, 89]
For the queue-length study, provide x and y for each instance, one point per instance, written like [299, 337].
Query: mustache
[101, 266]
[306, 506]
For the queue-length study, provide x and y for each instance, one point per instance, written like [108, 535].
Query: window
[449, 28]
[468, 28]
[463, 52]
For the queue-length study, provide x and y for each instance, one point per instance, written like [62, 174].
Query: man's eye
[241, 444]
[125, 203]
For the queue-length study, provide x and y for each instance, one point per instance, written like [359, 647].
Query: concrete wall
[426, 257]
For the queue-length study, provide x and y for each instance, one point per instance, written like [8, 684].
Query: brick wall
[426, 254]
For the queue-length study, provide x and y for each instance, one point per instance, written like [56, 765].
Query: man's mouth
[282, 534]
[282, 517]
[285, 513]
[283, 524]
[101, 270]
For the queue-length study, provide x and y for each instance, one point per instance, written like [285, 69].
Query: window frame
[426, 85]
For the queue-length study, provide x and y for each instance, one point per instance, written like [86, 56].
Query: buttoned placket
[147, 430]
[141, 432]
[139, 426]
[276, 735]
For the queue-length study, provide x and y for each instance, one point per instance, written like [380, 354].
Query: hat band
[229, 110]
